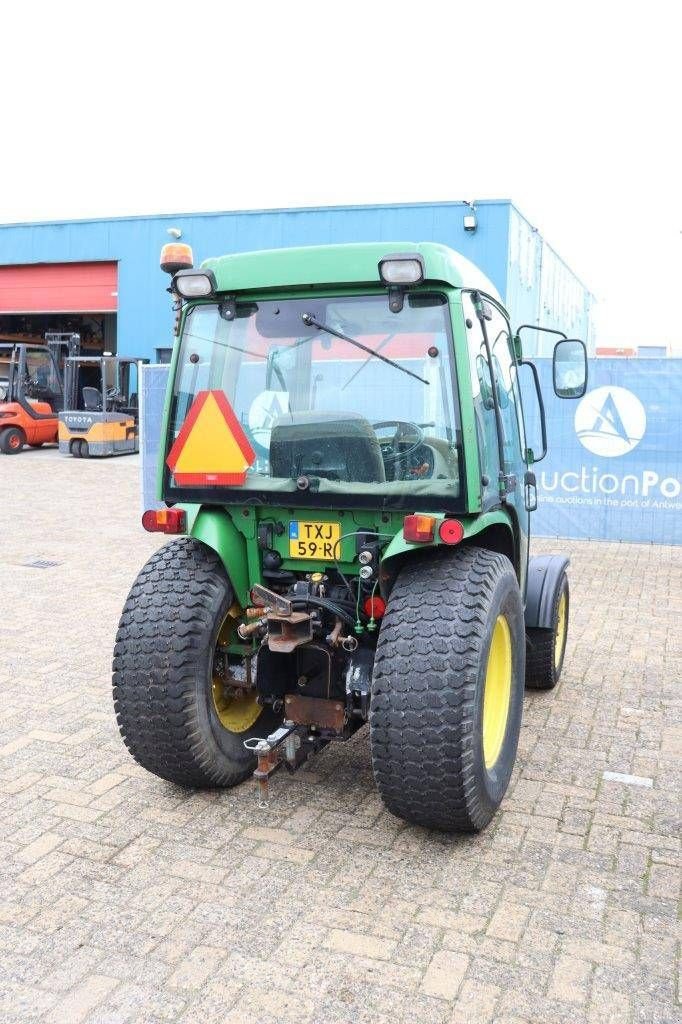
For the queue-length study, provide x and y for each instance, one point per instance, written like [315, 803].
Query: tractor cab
[101, 414]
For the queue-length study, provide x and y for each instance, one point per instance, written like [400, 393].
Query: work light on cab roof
[402, 268]
[399, 271]
[194, 284]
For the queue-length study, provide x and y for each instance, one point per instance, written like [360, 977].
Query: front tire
[447, 692]
[12, 440]
[172, 718]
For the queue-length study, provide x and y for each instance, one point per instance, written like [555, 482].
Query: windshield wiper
[385, 341]
[310, 321]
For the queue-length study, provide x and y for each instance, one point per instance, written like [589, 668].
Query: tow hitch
[290, 745]
[320, 687]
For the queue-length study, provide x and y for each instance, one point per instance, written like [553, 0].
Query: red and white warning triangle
[211, 448]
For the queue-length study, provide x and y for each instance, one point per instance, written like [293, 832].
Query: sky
[572, 110]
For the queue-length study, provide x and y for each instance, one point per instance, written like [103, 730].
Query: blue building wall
[144, 319]
[542, 289]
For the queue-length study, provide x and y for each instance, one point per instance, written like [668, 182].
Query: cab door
[495, 369]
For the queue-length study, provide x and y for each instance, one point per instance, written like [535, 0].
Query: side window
[506, 382]
[484, 408]
[42, 378]
[133, 384]
[38, 367]
[129, 384]
[110, 376]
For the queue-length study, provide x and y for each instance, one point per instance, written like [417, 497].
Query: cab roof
[356, 263]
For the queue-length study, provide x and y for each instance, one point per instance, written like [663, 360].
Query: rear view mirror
[569, 368]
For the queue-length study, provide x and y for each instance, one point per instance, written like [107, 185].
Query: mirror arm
[534, 327]
[543, 421]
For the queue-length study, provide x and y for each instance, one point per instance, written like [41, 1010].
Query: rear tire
[437, 761]
[84, 450]
[163, 671]
[76, 448]
[12, 440]
[546, 647]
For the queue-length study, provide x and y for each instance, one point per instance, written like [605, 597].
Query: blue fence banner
[152, 396]
[614, 466]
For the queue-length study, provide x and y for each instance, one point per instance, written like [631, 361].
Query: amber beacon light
[176, 256]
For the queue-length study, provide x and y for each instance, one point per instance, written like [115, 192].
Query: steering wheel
[114, 396]
[406, 433]
[32, 385]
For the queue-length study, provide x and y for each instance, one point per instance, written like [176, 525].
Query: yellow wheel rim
[237, 710]
[561, 626]
[497, 692]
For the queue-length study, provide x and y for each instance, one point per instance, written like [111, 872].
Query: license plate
[314, 540]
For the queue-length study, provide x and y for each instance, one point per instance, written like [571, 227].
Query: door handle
[530, 491]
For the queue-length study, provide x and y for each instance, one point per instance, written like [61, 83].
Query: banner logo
[265, 410]
[610, 421]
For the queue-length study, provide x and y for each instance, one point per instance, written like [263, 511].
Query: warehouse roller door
[63, 298]
[59, 288]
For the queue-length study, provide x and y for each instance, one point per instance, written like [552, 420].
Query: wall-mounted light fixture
[174, 232]
[470, 221]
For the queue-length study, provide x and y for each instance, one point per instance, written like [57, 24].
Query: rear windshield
[340, 399]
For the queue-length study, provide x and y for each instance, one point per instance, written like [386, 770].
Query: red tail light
[451, 531]
[374, 607]
[164, 520]
[419, 529]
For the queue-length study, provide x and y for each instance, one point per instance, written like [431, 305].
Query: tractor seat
[92, 399]
[335, 445]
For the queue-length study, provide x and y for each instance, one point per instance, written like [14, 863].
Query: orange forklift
[32, 390]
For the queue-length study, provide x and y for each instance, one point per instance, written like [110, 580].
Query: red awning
[59, 288]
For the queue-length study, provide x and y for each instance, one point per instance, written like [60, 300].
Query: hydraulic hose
[330, 606]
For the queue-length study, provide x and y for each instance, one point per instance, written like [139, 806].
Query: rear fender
[12, 415]
[214, 527]
[544, 576]
[399, 550]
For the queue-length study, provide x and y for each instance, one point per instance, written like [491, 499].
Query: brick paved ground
[125, 900]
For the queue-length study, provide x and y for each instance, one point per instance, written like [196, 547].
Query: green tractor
[344, 455]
